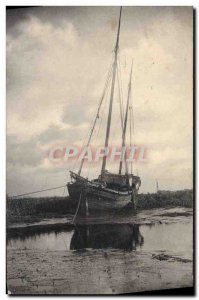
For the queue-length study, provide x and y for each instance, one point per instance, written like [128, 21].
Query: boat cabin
[119, 180]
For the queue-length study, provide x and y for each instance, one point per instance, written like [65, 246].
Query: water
[173, 237]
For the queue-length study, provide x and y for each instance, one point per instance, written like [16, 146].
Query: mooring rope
[80, 197]
[35, 192]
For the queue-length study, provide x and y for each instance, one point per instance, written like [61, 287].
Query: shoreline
[99, 271]
[28, 210]
[143, 217]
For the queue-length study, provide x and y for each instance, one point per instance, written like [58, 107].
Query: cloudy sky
[57, 63]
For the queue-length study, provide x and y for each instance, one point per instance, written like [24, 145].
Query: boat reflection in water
[65, 237]
[115, 236]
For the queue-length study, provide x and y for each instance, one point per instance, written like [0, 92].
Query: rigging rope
[133, 131]
[91, 127]
[120, 77]
[130, 108]
[99, 126]
[80, 198]
[64, 191]
[35, 192]
[97, 117]
[121, 108]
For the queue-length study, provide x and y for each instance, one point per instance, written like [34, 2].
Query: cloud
[66, 135]
[57, 63]
[26, 153]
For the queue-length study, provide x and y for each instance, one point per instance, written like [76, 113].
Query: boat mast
[112, 95]
[130, 112]
[96, 118]
[125, 122]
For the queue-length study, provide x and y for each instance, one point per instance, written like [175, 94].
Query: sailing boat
[109, 191]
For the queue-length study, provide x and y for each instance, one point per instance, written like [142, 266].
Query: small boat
[109, 191]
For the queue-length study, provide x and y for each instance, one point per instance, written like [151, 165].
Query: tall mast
[125, 120]
[130, 112]
[112, 95]
[96, 117]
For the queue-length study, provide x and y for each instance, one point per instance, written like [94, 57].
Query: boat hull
[94, 198]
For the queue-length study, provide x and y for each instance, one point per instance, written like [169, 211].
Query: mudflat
[140, 253]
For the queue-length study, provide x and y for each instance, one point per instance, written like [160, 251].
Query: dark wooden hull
[98, 198]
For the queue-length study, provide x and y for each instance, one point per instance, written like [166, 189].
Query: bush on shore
[33, 209]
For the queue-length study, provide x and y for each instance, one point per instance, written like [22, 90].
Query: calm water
[174, 237]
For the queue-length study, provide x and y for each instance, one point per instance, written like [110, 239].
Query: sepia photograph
[99, 150]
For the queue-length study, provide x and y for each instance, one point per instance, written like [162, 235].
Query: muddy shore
[94, 272]
[100, 271]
